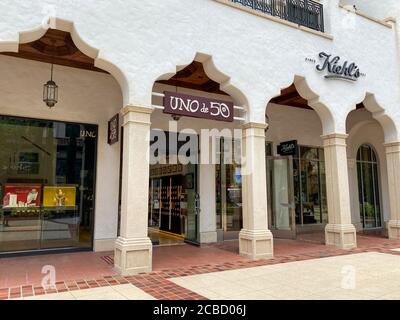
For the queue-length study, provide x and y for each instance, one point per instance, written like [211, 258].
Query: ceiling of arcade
[57, 47]
[290, 97]
[193, 77]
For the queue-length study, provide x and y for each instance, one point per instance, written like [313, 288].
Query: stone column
[133, 248]
[255, 240]
[339, 231]
[393, 168]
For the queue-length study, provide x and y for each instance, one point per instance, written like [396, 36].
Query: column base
[133, 256]
[342, 236]
[208, 237]
[394, 229]
[256, 244]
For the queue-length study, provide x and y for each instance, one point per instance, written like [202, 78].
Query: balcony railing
[307, 13]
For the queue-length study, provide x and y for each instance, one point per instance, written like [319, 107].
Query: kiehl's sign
[288, 148]
[197, 107]
[338, 69]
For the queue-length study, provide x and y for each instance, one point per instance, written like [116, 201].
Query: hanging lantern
[50, 91]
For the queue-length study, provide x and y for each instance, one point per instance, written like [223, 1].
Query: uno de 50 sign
[197, 107]
[336, 69]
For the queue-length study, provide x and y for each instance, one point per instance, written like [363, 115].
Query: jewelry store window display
[47, 171]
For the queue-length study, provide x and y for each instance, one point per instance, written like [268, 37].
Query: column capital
[334, 139]
[254, 125]
[334, 136]
[254, 129]
[136, 109]
[136, 114]
[395, 145]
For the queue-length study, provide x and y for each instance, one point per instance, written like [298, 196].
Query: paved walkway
[118, 292]
[21, 277]
[363, 276]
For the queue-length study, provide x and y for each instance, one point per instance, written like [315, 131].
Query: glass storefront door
[190, 200]
[228, 190]
[281, 197]
[310, 188]
[174, 202]
[47, 171]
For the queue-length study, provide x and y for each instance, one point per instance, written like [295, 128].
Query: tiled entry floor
[21, 277]
[118, 292]
[360, 276]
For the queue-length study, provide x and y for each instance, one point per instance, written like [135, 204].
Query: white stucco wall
[84, 96]
[379, 9]
[252, 57]
[149, 41]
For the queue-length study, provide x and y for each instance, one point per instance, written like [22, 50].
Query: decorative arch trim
[315, 102]
[215, 74]
[82, 45]
[378, 113]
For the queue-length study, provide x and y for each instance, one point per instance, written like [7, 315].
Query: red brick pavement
[157, 284]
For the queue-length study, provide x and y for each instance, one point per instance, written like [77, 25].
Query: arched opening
[368, 187]
[368, 178]
[195, 196]
[59, 178]
[295, 164]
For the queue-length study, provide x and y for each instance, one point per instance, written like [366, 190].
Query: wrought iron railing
[307, 13]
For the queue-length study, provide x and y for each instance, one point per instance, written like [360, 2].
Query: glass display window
[368, 187]
[47, 182]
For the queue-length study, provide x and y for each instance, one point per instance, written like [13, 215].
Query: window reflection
[47, 184]
[367, 173]
[229, 186]
[309, 186]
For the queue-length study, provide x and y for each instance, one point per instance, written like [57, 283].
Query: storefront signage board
[57, 196]
[21, 196]
[288, 148]
[198, 107]
[113, 130]
[336, 68]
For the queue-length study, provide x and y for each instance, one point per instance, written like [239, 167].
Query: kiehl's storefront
[47, 183]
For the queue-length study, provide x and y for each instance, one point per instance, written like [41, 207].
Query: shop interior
[173, 190]
[47, 184]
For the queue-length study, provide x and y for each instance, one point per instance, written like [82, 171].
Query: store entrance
[282, 215]
[173, 207]
[174, 202]
[297, 192]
